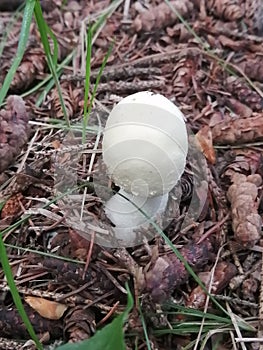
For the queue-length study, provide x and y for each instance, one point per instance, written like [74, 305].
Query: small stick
[100, 323]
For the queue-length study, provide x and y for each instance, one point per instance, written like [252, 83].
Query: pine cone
[244, 93]
[229, 10]
[158, 17]
[14, 130]
[254, 16]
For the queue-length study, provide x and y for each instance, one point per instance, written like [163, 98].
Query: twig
[260, 327]
[235, 324]
[113, 309]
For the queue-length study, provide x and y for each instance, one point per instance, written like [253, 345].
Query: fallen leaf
[46, 308]
[205, 140]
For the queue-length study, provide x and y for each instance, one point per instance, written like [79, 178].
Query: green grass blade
[104, 62]
[87, 84]
[27, 18]
[144, 329]
[87, 112]
[16, 298]
[51, 58]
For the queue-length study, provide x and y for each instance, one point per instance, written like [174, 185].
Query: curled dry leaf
[205, 140]
[230, 10]
[14, 130]
[246, 222]
[238, 130]
[223, 273]
[46, 308]
[160, 16]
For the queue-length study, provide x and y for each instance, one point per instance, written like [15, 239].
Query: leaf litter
[216, 80]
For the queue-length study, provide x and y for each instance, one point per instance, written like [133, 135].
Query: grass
[193, 318]
[33, 7]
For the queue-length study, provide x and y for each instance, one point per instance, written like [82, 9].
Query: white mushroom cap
[145, 144]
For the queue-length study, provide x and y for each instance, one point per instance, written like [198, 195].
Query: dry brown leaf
[46, 308]
[205, 141]
[224, 272]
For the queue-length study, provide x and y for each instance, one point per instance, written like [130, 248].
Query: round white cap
[145, 144]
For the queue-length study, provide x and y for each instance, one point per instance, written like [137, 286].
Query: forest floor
[206, 57]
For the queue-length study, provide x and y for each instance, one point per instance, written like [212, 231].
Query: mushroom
[144, 148]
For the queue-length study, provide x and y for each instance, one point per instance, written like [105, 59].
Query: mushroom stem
[124, 214]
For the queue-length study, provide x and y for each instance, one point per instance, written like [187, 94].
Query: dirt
[206, 57]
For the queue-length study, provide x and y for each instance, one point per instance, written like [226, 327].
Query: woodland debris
[246, 222]
[71, 98]
[79, 324]
[10, 5]
[254, 15]
[229, 10]
[205, 142]
[14, 130]
[238, 130]
[221, 277]
[33, 65]
[253, 68]
[244, 93]
[46, 308]
[11, 324]
[12, 208]
[160, 16]
[168, 272]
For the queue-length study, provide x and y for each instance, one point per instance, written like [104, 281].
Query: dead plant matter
[246, 222]
[168, 272]
[238, 130]
[14, 130]
[160, 16]
[229, 10]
